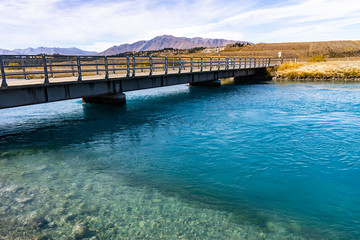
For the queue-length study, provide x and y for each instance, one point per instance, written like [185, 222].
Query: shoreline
[317, 79]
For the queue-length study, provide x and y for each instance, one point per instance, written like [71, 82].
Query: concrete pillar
[212, 83]
[114, 99]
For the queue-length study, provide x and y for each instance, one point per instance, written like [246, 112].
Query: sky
[99, 24]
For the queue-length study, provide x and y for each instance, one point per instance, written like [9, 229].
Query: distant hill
[168, 41]
[45, 50]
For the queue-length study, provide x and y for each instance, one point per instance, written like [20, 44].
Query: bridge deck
[22, 70]
[59, 80]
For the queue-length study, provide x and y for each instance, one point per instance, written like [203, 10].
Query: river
[260, 161]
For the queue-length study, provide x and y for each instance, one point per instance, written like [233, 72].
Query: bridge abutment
[253, 76]
[114, 99]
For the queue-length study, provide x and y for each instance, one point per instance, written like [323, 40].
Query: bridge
[27, 80]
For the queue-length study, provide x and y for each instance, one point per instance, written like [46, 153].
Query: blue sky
[98, 25]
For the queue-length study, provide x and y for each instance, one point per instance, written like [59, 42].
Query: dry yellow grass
[319, 70]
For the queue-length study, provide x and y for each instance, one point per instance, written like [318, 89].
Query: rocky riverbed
[58, 196]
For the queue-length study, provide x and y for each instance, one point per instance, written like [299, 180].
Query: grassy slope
[332, 49]
[300, 50]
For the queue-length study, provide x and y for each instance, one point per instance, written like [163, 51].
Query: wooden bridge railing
[77, 67]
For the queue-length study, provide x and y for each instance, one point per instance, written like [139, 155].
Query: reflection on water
[265, 161]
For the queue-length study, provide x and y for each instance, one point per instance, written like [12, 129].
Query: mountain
[7, 52]
[45, 50]
[168, 41]
[157, 43]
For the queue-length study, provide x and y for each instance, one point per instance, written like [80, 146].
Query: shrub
[288, 65]
[319, 58]
[13, 68]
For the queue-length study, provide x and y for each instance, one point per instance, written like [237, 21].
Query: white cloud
[97, 25]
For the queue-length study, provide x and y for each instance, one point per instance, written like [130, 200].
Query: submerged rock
[24, 200]
[80, 231]
[35, 220]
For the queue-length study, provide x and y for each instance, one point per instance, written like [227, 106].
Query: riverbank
[318, 71]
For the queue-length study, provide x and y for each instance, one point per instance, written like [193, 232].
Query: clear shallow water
[264, 161]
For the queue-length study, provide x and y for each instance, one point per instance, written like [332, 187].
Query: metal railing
[79, 68]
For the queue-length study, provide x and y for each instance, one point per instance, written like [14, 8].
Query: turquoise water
[262, 161]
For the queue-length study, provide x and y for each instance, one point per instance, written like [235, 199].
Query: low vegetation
[316, 70]
[13, 66]
[319, 58]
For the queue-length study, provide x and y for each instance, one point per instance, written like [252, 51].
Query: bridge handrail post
[191, 64]
[106, 68]
[51, 70]
[46, 81]
[211, 62]
[166, 65]
[179, 65]
[96, 66]
[79, 69]
[3, 75]
[240, 63]
[151, 66]
[134, 66]
[127, 66]
[113, 65]
[72, 67]
[202, 64]
[24, 70]
[219, 64]
[234, 63]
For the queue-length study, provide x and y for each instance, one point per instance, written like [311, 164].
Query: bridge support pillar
[212, 83]
[113, 99]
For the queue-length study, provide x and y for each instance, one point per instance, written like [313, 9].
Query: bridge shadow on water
[92, 120]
